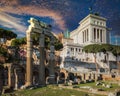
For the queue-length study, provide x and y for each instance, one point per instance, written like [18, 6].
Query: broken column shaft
[52, 63]
[29, 71]
[42, 58]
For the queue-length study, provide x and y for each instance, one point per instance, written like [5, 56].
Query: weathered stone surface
[98, 83]
[108, 86]
[70, 82]
[43, 29]
[116, 93]
[111, 94]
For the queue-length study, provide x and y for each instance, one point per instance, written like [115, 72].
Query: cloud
[64, 13]
[36, 10]
[11, 22]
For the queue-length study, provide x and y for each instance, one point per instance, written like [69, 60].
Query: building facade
[92, 30]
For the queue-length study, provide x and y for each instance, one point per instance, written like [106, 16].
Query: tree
[35, 39]
[116, 52]
[105, 48]
[7, 34]
[3, 51]
[18, 41]
[3, 55]
[93, 48]
[58, 45]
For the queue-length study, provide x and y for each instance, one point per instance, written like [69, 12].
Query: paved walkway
[94, 91]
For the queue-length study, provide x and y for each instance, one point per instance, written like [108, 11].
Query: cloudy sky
[61, 14]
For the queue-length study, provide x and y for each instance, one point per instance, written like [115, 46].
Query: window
[97, 33]
[76, 49]
[101, 34]
[97, 22]
[72, 49]
[94, 33]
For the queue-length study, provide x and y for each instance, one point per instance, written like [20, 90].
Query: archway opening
[46, 73]
[62, 77]
[56, 76]
[5, 80]
[71, 76]
[35, 77]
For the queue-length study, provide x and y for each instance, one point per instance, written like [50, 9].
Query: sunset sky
[61, 14]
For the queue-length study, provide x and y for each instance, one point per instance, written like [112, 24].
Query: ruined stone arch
[43, 30]
[79, 77]
[18, 73]
[65, 73]
[71, 76]
[62, 76]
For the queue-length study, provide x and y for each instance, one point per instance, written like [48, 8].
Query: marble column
[83, 76]
[104, 36]
[87, 76]
[29, 71]
[42, 60]
[96, 76]
[83, 36]
[87, 35]
[91, 34]
[52, 63]
[9, 76]
[92, 76]
[16, 79]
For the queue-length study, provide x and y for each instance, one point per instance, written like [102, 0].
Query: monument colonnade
[43, 30]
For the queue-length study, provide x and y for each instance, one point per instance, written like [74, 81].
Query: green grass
[51, 91]
[93, 85]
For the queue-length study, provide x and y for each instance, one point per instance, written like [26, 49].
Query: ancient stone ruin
[43, 30]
